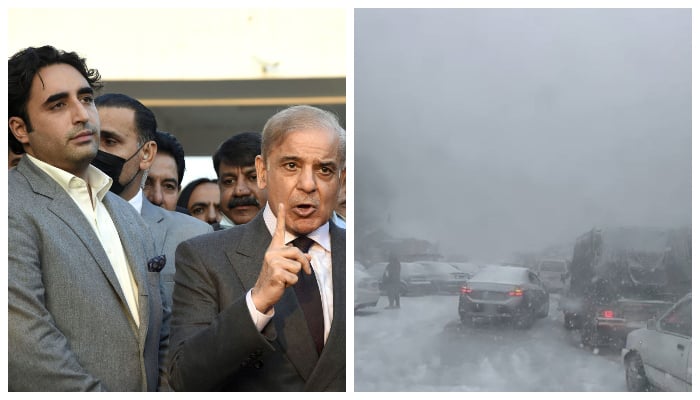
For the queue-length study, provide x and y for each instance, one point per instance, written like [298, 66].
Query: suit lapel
[150, 215]
[134, 251]
[288, 325]
[63, 206]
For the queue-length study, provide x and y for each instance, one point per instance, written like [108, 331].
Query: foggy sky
[492, 131]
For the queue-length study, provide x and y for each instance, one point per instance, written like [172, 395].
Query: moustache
[86, 126]
[243, 201]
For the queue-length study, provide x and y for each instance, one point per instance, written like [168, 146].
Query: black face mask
[112, 166]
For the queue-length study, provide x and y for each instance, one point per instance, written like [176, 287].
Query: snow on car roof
[499, 274]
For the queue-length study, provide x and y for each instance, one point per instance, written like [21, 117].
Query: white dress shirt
[137, 201]
[320, 253]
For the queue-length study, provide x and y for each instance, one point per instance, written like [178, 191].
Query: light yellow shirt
[101, 222]
[323, 269]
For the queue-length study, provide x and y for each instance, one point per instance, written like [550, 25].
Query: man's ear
[19, 129]
[261, 171]
[148, 155]
[342, 177]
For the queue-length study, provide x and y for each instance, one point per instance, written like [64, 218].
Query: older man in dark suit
[84, 312]
[261, 306]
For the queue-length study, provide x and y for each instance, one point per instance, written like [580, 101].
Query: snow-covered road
[424, 347]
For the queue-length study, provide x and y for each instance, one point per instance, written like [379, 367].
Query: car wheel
[466, 319]
[544, 312]
[525, 321]
[569, 321]
[618, 343]
[589, 336]
[635, 376]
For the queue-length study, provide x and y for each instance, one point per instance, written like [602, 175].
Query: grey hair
[297, 118]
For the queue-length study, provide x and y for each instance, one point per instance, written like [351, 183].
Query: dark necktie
[309, 296]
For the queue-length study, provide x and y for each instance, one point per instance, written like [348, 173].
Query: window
[679, 319]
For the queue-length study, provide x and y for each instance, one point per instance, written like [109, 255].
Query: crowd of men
[119, 279]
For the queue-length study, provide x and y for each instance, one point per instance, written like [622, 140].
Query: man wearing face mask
[126, 151]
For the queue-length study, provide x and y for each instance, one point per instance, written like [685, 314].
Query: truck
[621, 277]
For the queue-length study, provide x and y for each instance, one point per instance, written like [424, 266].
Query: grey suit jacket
[69, 326]
[169, 228]
[215, 345]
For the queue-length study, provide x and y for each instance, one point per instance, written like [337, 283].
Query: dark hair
[168, 144]
[25, 64]
[144, 119]
[187, 191]
[13, 144]
[239, 150]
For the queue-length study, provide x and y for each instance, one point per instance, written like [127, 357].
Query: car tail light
[517, 292]
[465, 290]
[607, 314]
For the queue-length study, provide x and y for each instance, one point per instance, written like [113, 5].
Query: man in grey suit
[251, 312]
[84, 311]
[127, 150]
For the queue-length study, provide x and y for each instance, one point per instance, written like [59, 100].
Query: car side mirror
[651, 324]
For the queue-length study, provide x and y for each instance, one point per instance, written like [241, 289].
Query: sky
[491, 131]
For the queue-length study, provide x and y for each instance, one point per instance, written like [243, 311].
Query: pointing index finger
[280, 228]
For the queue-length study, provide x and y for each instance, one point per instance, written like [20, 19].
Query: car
[659, 356]
[504, 292]
[552, 273]
[620, 277]
[469, 268]
[445, 277]
[414, 281]
[366, 288]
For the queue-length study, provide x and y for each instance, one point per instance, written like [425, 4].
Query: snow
[424, 347]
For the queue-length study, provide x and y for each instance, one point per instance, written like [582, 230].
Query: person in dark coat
[392, 282]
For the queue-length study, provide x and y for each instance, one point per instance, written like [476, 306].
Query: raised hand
[280, 267]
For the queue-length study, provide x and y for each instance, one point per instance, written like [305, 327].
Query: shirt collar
[321, 235]
[226, 222]
[98, 181]
[137, 201]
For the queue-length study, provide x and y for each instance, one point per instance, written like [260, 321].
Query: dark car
[414, 281]
[445, 277]
[622, 277]
[503, 292]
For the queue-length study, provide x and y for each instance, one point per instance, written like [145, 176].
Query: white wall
[190, 44]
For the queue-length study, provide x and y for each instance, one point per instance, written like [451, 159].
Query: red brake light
[607, 314]
[517, 292]
[465, 290]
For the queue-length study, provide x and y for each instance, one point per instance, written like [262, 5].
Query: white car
[552, 273]
[659, 356]
[366, 288]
